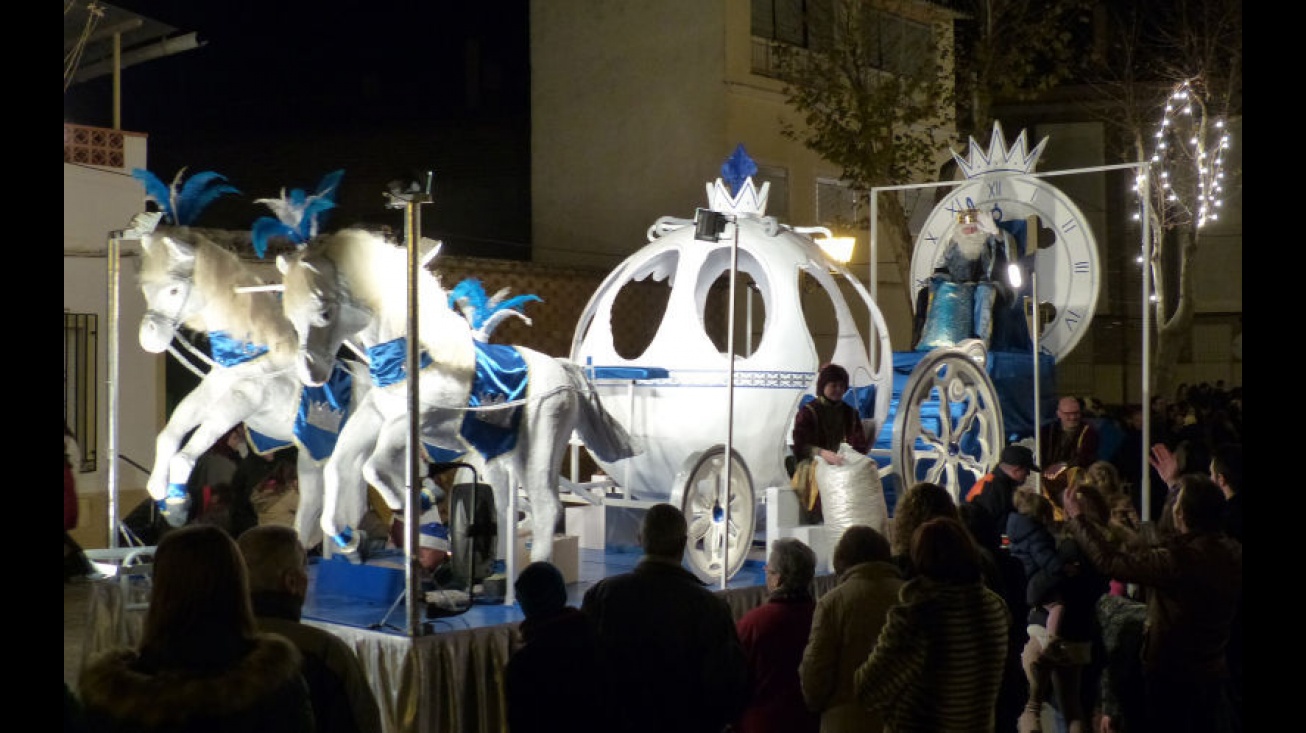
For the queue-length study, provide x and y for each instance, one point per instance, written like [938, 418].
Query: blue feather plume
[468, 297]
[298, 214]
[182, 204]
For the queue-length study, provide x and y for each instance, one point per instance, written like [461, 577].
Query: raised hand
[1165, 463]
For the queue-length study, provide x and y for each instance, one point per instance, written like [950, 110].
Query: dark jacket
[1036, 547]
[262, 693]
[1194, 583]
[813, 428]
[342, 699]
[669, 652]
[995, 500]
[1083, 446]
[535, 686]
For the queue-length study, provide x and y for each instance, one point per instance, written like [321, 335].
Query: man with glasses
[1067, 441]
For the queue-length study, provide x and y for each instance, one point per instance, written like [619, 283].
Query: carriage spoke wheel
[949, 422]
[720, 530]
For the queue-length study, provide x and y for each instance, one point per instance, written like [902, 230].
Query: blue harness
[501, 379]
[322, 411]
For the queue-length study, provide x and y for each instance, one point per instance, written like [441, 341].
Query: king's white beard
[971, 246]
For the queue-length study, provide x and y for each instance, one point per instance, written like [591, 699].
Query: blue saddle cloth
[501, 379]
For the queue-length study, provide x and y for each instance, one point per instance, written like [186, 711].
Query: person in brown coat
[848, 619]
[1194, 584]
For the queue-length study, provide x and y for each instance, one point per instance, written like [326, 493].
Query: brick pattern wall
[93, 146]
[565, 292]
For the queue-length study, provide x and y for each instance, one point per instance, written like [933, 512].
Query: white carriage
[673, 393]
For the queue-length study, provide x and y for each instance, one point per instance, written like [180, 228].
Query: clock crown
[999, 158]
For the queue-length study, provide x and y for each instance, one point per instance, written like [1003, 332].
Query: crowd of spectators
[926, 628]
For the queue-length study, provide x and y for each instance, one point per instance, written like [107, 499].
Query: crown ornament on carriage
[737, 194]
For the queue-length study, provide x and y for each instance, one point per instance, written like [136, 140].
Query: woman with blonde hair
[201, 664]
[1106, 477]
[919, 503]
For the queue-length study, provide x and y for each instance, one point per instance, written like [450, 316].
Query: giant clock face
[1066, 259]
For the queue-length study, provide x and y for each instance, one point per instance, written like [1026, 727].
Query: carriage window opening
[80, 381]
[637, 311]
[819, 315]
[750, 302]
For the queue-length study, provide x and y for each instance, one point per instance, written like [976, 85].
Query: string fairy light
[1192, 147]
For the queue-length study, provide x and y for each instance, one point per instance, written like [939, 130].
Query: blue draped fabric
[949, 318]
[229, 352]
[264, 444]
[861, 399]
[323, 411]
[501, 378]
[389, 362]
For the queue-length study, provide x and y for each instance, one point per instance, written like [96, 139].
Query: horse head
[168, 283]
[319, 306]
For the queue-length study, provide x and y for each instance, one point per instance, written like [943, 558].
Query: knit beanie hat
[830, 373]
[540, 589]
[434, 536]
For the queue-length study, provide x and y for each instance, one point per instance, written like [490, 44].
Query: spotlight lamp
[839, 249]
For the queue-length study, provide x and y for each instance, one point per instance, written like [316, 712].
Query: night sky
[287, 91]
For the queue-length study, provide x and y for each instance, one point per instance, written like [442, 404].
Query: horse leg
[189, 413]
[387, 467]
[308, 515]
[546, 431]
[499, 474]
[343, 489]
[220, 416]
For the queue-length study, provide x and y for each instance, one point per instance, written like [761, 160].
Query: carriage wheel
[717, 536]
[948, 429]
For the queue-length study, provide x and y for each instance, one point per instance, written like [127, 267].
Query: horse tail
[598, 429]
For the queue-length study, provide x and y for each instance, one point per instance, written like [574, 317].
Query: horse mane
[256, 317]
[376, 273]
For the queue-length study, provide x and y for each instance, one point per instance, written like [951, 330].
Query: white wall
[96, 202]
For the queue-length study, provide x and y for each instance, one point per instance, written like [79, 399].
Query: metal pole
[111, 356]
[1038, 317]
[730, 404]
[748, 321]
[873, 337]
[412, 499]
[1145, 475]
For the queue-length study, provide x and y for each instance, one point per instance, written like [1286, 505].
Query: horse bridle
[173, 322]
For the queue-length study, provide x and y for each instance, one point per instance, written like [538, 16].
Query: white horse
[253, 378]
[512, 409]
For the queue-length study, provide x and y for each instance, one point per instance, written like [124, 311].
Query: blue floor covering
[369, 596]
